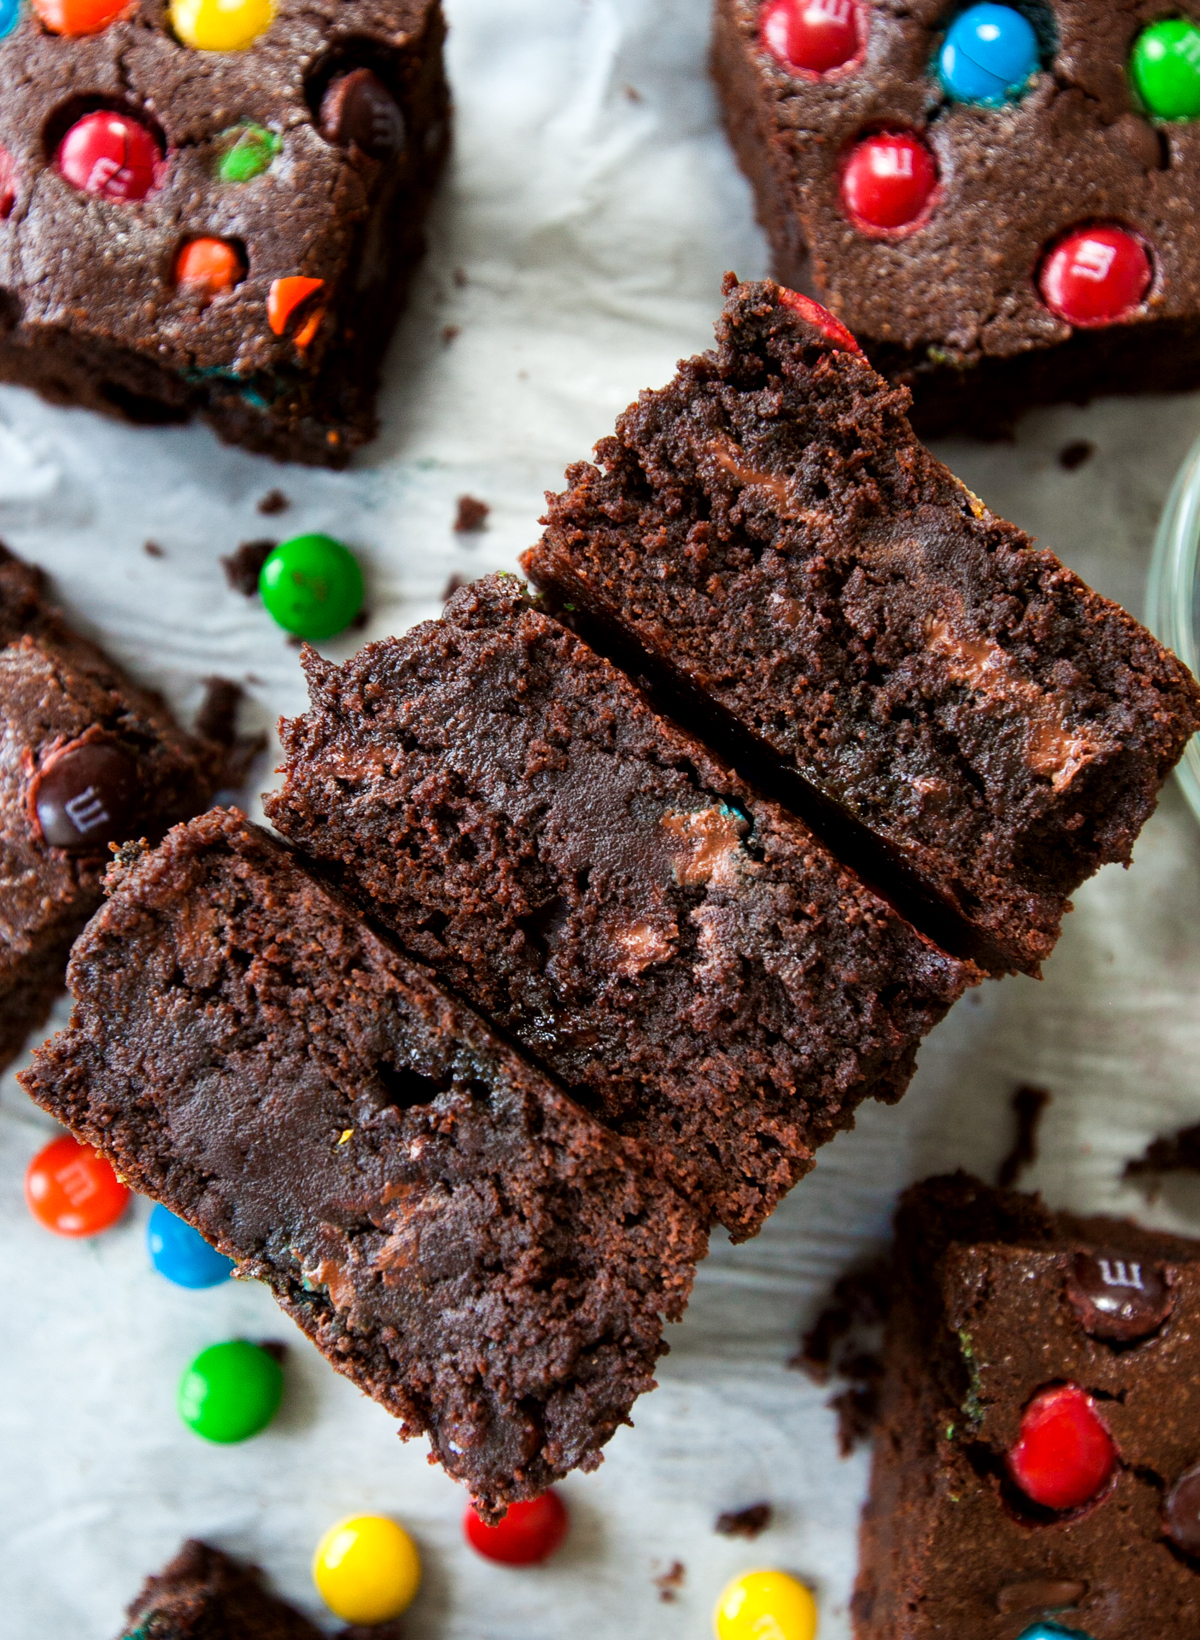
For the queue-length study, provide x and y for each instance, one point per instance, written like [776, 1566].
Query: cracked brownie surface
[452, 1232]
[204, 1594]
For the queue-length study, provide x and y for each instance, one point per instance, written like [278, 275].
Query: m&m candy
[1181, 1512]
[887, 181]
[85, 796]
[72, 1190]
[245, 152]
[220, 25]
[8, 184]
[10, 16]
[1165, 68]
[74, 17]
[765, 1606]
[989, 55]
[182, 1254]
[1064, 1454]
[110, 154]
[366, 1569]
[312, 586]
[230, 1391]
[208, 267]
[1096, 276]
[528, 1533]
[1051, 1631]
[813, 36]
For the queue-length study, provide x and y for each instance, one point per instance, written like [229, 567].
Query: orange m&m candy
[208, 267]
[72, 17]
[72, 1190]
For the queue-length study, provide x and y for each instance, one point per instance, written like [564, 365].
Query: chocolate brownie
[993, 252]
[86, 758]
[955, 711]
[204, 1594]
[226, 232]
[680, 952]
[1037, 1458]
[450, 1230]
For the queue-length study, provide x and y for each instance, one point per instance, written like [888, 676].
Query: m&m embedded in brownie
[997, 199]
[1037, 1454]
[681, 952]
[954, 710]
[213, 207]
[457, 1236]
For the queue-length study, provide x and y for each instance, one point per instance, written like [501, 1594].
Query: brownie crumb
[1028, 1104]
[1176, 1153]
[472, 514]
[670, 1582]
[846, 1342]
[1076, 453]
[217, 721]
[274, 502]
[453, 585]
[153, 550]
[360, 620]
[294, 640]
[632, 94]
[450, 333]
[243, 567]
[460, 278]
[275, 1348]
[747, 1523]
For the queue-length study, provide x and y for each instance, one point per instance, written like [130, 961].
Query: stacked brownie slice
[204, 1594]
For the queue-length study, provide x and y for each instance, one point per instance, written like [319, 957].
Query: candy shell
[220, 25]
[988, 56]
[8, 184]
[76, 17]
[182, 1254]
[366, 1569]
[246, 151]
[813, 37]
[528, 1533]
[312, 586]
[10, 16]
[1096, 276]
[765, 1605]
[1064, 1455]
[887, 182]
[72, 1190]
[111, 154]
[230, 1391]
[208, 267]
[1165, 68]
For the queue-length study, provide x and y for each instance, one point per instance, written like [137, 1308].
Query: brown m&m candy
[1181, 1511]
[85, 795]
[1119, 1297]
[359, 111]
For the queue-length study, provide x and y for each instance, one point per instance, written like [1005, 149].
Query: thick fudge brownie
[221, 231]
[1037, 1457]
[682, 953]
[204, 1594]
[956, 712]
[1034, 247]
[452, 1232]
[86, 758]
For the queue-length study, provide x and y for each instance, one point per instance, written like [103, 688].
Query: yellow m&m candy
[765, 1606]
[220, 25]
[366, 1569]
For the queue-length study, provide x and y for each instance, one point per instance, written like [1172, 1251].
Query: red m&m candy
[821, 317]
[888, 181]
[528, 1533]
[8, 184]
[813, 36]
[73, 17]
[110, 154]
[1096, 276]
[72, 1190]
[1064, 1454]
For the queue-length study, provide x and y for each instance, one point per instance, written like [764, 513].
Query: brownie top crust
[766, 539]
[454, 1234]
[680, 951]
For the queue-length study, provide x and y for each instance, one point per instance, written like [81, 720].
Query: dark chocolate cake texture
[204, 1594]
[1037, 1452]
[457, 1236]
[86, 758]
[996, 199]
[953, 710]
[680, 952]
[214, 208]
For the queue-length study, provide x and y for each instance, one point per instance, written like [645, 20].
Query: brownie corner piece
[205, 1594]
[187, 229]
[455, 1235]
[963, 719]
[881, 164]
[1037, 1457]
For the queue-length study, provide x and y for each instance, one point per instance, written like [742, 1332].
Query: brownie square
[681, 952]
[954, 711]
[204, 1594]
[452, 1232]
[958, 301]
[998, 1303]
[86, 758]
[248, 259]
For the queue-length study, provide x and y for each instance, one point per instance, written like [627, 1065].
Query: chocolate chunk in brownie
[1039, 1425]
[86, 759]
[451, 1231]
[955, 711]
[681, 952]
[223, 232]
[1040, 247]
[204, 1594]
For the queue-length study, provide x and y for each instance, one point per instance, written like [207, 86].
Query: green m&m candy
[312, 585]
[230, 1391]
[1165, 68]
[246, 151]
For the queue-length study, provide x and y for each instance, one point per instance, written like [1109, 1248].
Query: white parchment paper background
[591, 209]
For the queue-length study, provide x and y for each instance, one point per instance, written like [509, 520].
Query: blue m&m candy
[1052, 1631]
[182, 1254]
[10, 14]
[989, 54]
